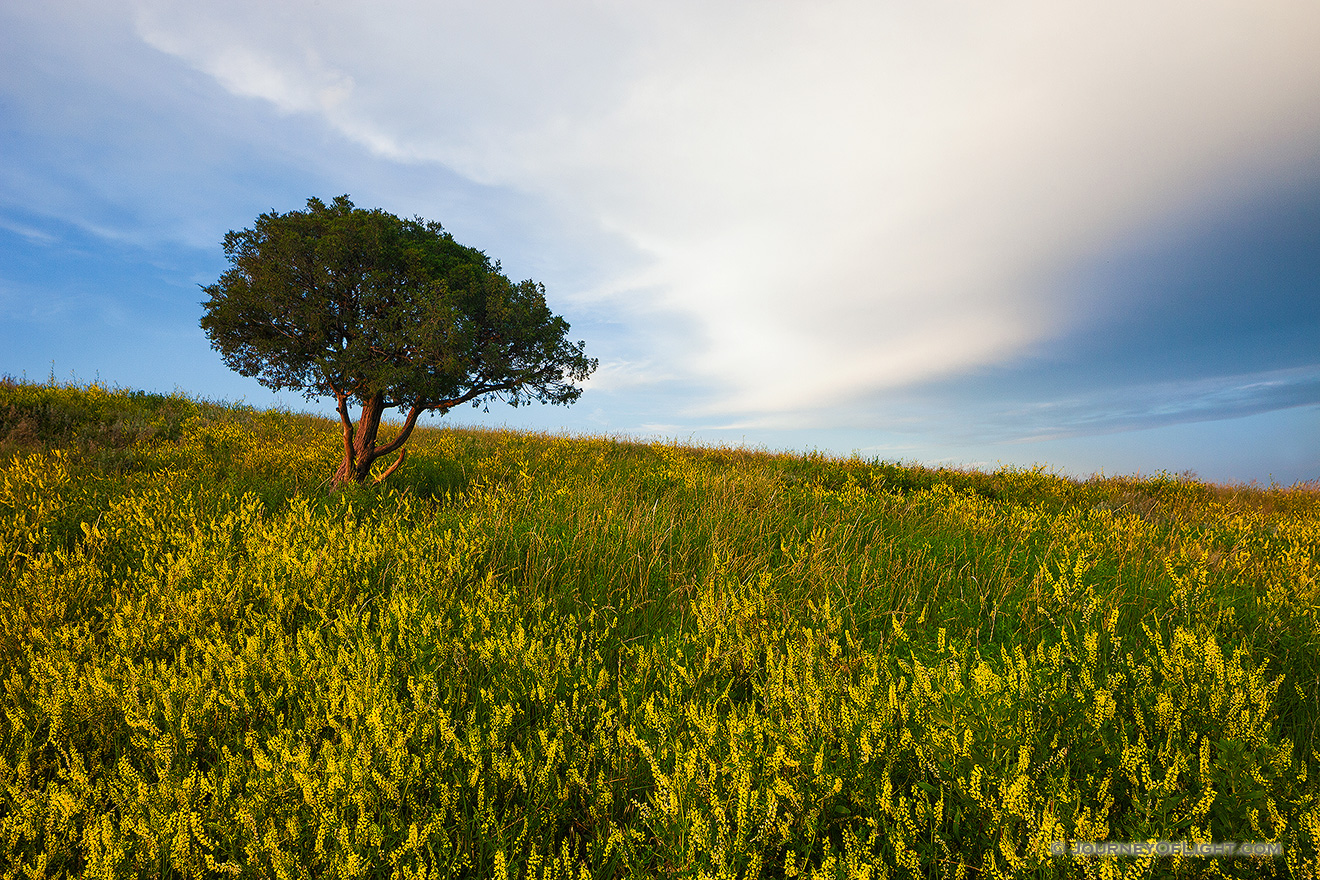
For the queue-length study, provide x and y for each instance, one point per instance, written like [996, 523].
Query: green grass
[541, 656]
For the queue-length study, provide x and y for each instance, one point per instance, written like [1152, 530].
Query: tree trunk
[359, 443]
[367, 427]
[360, 451]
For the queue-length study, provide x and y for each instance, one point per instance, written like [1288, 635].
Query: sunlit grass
[541, 656]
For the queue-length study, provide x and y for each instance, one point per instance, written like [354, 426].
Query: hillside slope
[544, 656]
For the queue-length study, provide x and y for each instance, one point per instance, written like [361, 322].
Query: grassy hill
[542, 656]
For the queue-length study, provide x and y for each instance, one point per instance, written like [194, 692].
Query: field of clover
[541, 656]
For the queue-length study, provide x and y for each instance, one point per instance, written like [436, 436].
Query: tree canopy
[366, 307]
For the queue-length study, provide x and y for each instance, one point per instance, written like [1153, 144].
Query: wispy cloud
[622, 375]
[962, 420]
[1164, 403]
[31, 234]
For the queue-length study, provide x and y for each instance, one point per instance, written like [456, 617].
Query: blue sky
[1079, 235]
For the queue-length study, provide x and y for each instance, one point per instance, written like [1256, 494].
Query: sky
[1064, 234]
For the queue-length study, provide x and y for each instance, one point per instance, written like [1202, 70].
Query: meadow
[538, 656]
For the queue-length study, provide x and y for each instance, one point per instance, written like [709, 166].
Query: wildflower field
[537, 656]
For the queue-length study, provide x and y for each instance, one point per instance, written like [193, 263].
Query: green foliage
[342, 302]
[541, 656]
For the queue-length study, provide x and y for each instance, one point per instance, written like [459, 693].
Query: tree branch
[416, 410]
[475, 392]
[392, 468]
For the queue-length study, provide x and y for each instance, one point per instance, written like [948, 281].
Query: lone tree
[389, 313]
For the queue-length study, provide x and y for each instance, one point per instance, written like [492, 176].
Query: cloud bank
[839, 197]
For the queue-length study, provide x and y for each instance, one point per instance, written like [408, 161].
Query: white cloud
[841, 196]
